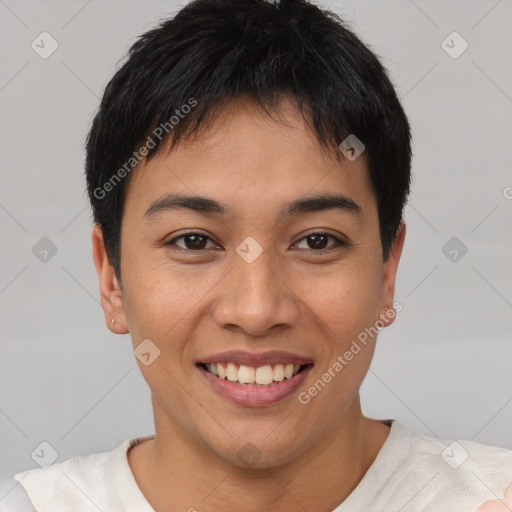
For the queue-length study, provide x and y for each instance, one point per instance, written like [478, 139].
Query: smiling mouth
[261, 376]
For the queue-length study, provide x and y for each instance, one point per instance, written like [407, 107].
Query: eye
[197, 242]
[318, 241]
[193, 241]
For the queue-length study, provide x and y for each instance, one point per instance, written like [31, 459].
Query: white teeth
[288, 371]
[246, 374]
[278, 372]
[262, 375]
[231, 372]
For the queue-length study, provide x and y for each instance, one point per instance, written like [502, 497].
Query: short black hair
[212, 51]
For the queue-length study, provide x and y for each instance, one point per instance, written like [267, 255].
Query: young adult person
[247, 170]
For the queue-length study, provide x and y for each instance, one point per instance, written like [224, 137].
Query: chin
[259, 450]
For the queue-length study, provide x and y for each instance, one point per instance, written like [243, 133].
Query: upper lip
[241, 357]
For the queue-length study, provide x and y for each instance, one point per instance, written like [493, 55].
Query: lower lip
[256, 396]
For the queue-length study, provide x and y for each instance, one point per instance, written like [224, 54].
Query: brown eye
[318, 242]
[191, 241]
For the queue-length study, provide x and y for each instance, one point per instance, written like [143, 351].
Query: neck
[175, 472]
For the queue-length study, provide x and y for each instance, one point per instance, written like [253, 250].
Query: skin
[504, 505]
[292, 298]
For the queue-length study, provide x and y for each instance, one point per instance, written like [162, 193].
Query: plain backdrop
[444, 368]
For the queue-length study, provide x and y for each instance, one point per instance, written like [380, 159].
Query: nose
[256, 298]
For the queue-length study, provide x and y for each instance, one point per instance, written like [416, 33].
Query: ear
[388, 314]
[111, 293]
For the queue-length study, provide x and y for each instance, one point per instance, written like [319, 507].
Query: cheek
[163, 303]
[346, 300]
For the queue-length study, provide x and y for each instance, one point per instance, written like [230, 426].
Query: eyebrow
[209, 207]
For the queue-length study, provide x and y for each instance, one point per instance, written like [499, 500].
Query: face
[240, 281]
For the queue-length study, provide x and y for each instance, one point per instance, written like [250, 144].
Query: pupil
[198, 244]
[316, 239]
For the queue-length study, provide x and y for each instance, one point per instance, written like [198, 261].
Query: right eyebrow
[199, 204]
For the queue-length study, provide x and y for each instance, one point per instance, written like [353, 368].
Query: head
[227, 122]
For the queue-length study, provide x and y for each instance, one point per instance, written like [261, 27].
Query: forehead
[251, 162]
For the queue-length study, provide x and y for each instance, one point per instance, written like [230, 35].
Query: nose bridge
[255, 298]
[256, 279]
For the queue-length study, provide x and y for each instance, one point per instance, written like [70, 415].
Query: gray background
[443, 368]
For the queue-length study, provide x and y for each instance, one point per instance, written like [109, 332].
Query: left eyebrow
[317, 203]
[208, 206]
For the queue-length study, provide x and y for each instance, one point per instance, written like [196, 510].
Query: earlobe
[387, 316]
[110, 291]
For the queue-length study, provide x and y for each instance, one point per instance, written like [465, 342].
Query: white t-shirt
[412, 473]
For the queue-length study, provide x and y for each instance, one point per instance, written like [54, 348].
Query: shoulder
[14, 497]
[69, 485]
[461, 456]
[462, 470]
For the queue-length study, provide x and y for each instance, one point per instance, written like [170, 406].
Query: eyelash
[338, 243]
